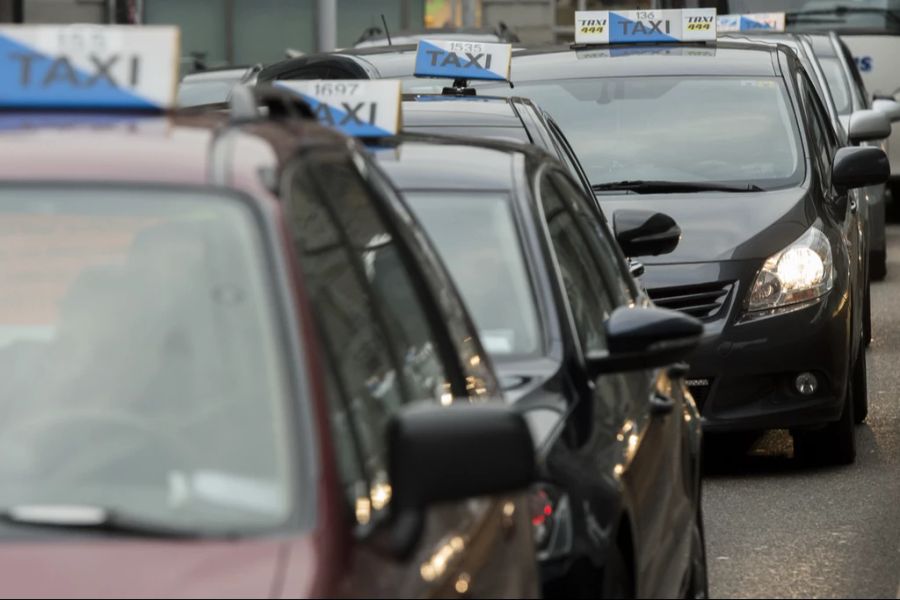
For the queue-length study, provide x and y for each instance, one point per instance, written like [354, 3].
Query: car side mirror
[867, 126]
[645, 233]
[645, 337]
[856, 167]
[444, 453]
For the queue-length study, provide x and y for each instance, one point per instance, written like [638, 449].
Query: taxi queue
[324, 339]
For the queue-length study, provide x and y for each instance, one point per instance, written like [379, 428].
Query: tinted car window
[612, 265]
[379, 338]
[822, 142]
[148, 327]
[478, 240]
[687, 129]
[579, 272]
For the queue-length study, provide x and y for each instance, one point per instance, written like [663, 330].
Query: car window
[822, 141]
[480, 380]
[156, 312]
[619, 283]
[371, 318]
[477, 236]
[671, 128]
[580, 273]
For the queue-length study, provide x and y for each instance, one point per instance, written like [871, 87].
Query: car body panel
[618, 466]
[725, 244]
[320, 551]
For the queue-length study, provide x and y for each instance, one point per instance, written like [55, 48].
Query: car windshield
[477, 238]
[837, 85]
[140, 358]
[731, 130]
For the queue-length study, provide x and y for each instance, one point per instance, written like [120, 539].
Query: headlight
[801, 272]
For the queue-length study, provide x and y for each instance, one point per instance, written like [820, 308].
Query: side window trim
[616, 260]
[360, 274]
[572, 158]
[423, 290]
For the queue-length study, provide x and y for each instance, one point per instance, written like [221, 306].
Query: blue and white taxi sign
[360, 108]
[88, 66]
[641, 26]
[773, 21]
[463, 60]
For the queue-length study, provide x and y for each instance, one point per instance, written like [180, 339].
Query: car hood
[118, 569]
[721, 226]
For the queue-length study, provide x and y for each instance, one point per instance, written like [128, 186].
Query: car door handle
[661, 405]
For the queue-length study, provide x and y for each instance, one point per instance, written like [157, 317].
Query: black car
[494, 117]
[580, 353]
[732, 140]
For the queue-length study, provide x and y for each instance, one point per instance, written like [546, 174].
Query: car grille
[704, 301]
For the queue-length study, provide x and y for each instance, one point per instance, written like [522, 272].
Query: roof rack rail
[247, 102]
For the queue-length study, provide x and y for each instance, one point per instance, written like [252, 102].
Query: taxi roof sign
[362, 108]
[88, 67]
[774, 21]
[645, 26]
[463, 60]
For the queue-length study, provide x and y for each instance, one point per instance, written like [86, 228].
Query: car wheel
[860, 384]
[616, 578]
[698, 584]
[877, 265]
[834, 444]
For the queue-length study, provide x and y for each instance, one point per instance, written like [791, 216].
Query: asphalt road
[778, 529]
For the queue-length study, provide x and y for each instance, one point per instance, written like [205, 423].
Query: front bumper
[742, 374]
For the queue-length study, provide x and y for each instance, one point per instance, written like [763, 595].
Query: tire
[877, 265]
[616, 578]
[698, 582]
[867, 316]
[834, 444]
[860, 384]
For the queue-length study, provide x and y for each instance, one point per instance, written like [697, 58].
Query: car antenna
[387, 30]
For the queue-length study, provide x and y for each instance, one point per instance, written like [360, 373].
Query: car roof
[464, 111]
[175, 149]
[739, 58]
[430, 162]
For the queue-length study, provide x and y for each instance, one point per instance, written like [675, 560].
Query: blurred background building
[222, 32]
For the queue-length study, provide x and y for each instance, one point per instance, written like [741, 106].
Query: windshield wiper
[88, 518]
[842, 9]
[639, 186]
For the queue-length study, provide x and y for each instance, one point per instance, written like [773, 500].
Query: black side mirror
[868, 125]
[860, 167]
[446, 453]
[646, 337]
[645, 233]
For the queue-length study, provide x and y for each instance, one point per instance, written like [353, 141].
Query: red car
[230, 365]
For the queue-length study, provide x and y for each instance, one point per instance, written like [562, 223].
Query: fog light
[806, 384]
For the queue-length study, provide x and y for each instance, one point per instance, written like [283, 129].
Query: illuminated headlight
[802, 272]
